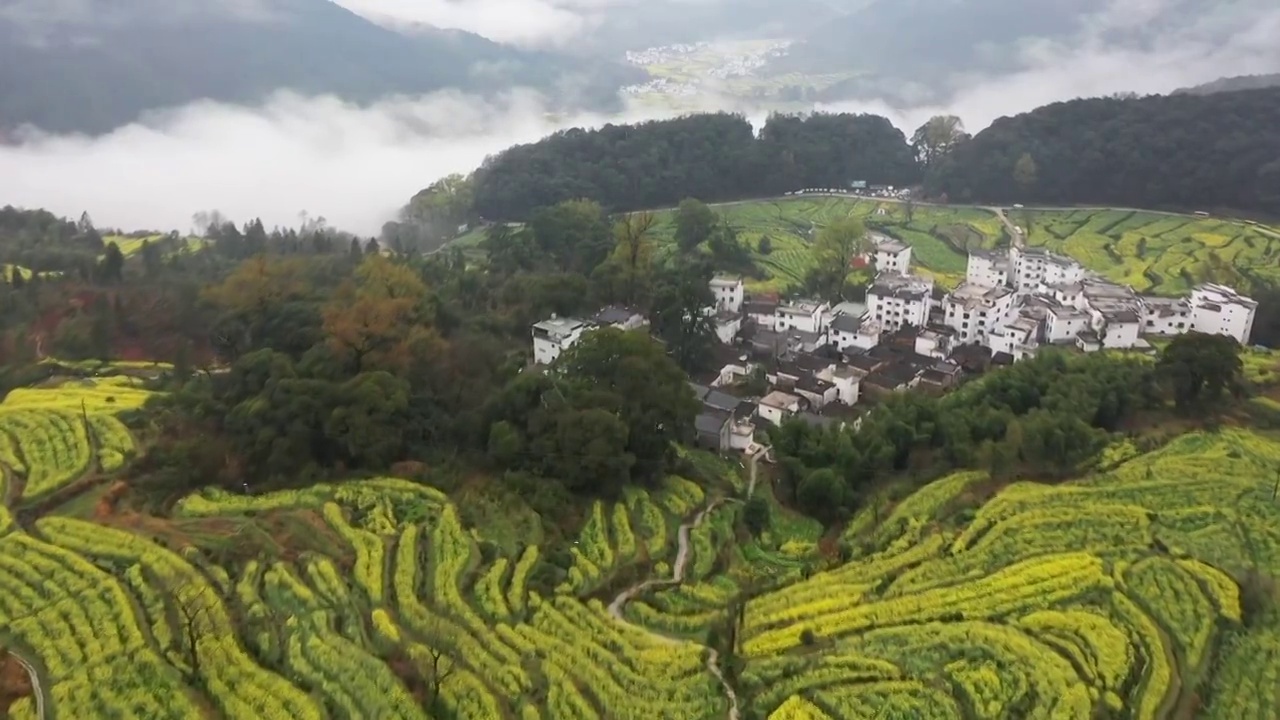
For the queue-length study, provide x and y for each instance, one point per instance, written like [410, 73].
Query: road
[677, 577]
[36, 690]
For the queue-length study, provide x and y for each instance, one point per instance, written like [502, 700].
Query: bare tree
[909, 208]
[442, 666]
[194, 604]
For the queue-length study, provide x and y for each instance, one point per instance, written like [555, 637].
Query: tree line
[1185, 152]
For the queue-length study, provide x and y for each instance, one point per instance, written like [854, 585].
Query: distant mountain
[914, 51]
[93, 65]
[1231, 84]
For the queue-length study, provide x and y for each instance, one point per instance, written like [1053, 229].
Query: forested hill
[711, 157]
[1177, 151]
[1232, 84]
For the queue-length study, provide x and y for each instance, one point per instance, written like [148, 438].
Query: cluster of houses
[817, 361]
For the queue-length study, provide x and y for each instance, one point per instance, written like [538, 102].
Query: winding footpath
[36, 690]
[677, 576]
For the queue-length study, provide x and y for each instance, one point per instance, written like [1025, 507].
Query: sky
[356, 166]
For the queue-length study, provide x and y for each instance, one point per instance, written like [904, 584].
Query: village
[827, 364]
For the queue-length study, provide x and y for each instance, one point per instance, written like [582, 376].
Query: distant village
[821, 362]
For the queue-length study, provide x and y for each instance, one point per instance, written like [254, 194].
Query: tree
[755, 515]
[935, 139]
[836, 248]
[111, 269]
[765, 247]
[575, 233]
[1198, 367]
[195, 604]
[679, 317]
[824, 495]
[376, 321]
[1025, 174]
[629, 269]
[694, 223]
[442, 666]
[909, 209]
[250, 293]
[629, 375]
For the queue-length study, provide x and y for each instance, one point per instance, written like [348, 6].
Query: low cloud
[352, 165]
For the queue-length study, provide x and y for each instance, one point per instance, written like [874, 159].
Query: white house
[1220, 310]
[1018, 336]
[847, 332]
[846, 380]
[891, 255]
[778, 406]
[895, 300]
[554, 336]
[804, 315]
[971, 309]
[728, 291]
[935, 342]
[987, 268]
[734, 372]
[817, 391]
[1033, 267]
[728, 324]
[1064, 323]
[1120, 328]
[1165, 316]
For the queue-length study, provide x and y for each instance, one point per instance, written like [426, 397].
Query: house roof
[812, 362]
[893, 375]
[934, 377]
[720, 400]
[726, 280]
[612, 315]
[745, 409]
[710, 422]
[812, 384]
[780, 400]
[846, 323]
[863, 362]
[560, 325]
[1001, 358]
[699, 391]
[759, 307]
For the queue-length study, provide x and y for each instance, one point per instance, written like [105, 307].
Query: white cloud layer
[356, 166]
[519, 22]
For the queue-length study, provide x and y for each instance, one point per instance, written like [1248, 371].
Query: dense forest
[712, 157]
[1182, 151]
[1185, 152]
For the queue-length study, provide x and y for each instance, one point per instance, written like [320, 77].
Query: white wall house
[1165, 316]
[728, 324]
[729, 292]
[1064, 323]
[554, 336]
[847, 382]
[895, 301]
[778, 406]
[847, 332]
[1121, 329]
[1218, 309]
[1033, 267]
[891, 255]
[935, 343]
[972, 309]
[804, 315]
[987, 268]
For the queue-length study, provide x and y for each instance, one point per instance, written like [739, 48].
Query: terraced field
[1162, 254]
[1136, 592]
[940, 237]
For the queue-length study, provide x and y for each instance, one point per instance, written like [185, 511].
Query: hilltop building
[891, 255]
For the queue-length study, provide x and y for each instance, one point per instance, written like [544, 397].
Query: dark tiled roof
[846, 323]
[720, 400]
[892, 376]
[817, 386]
[699, 391]
[710, 421]
[759, 307]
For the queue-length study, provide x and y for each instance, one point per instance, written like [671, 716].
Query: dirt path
[36, 691]
[677, 577]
